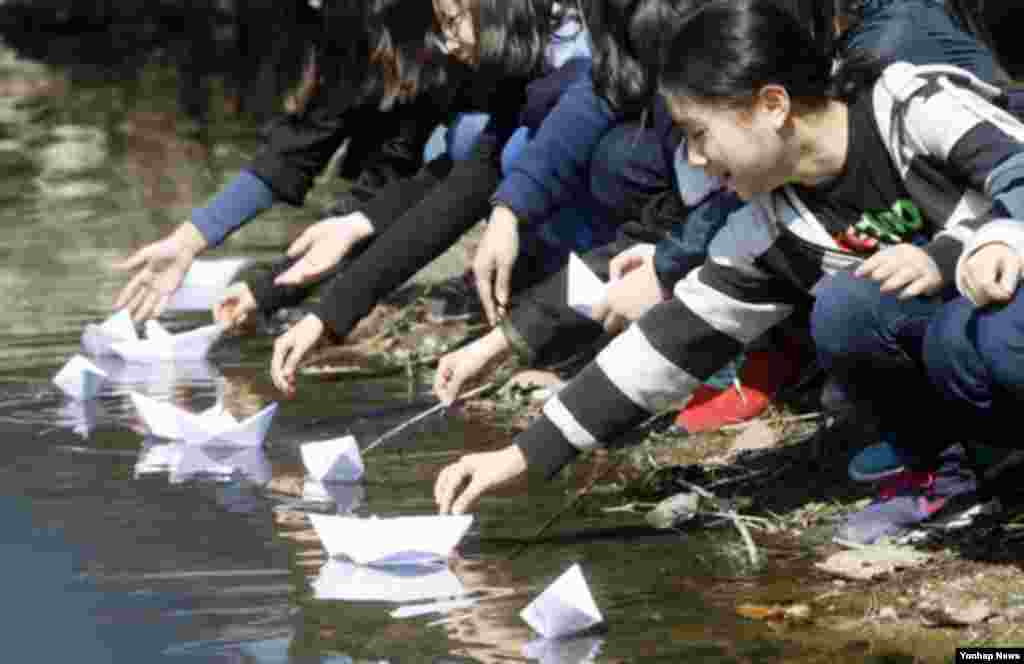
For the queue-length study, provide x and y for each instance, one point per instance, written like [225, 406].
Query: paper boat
[80, 379]
[342, 580]
[403, 540]
[346, 496]
[221, 462]
[98, 339]
[183, 462]
[565, 608]
[160, 344]
[335, 460]
[586, 290]
[204, 282]
[564, 651]
[165, 420]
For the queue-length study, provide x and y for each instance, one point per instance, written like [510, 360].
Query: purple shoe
[906, 500]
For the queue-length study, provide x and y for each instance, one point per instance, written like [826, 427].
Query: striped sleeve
[658, 362]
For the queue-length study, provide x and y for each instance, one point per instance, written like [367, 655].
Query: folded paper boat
[585, 289]
[80, 379]
[160, 344]
[566, 607]
[403, 540]
[165, 420]
[334, 460]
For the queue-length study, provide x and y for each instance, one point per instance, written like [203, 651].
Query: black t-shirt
[867, 206]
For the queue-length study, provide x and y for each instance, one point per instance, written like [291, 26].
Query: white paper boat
[204, 282]
[159, 379]
[346, 496]
[183, 462]
[403, 540]
[221, 462]
[80, 379]
[586, 290]
[342, 580]
[165, 420]
[565, 608]
[335, 460]
[564, 651]
[98, 339]
[160, 344]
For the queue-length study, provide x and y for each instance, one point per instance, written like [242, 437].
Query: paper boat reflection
[564, 651]
[347, 496]
[79, 416]
[342, 580]
[403, 540]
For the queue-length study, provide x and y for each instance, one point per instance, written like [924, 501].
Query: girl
[882, 180]
[632, 173]
[370, 55]
[553, 129]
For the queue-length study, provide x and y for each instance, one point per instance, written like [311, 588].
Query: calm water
[107, 559]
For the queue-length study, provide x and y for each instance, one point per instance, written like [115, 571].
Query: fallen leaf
[872, 561]
[758, 435]
[953, 615]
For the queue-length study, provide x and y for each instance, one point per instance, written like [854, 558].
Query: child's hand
[626, 261]
[322, 246]
[461, 484]
[464, 364]
[290, 348]
[234, 306]
[160, 268]
[991, 274]
[629, 298]
[493, 262]
[905, 267]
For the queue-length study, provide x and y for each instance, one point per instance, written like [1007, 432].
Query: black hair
[511, 35]
[383, 49]
[729, 49]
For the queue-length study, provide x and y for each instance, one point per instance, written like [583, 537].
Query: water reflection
[564, 651]
[183, 462]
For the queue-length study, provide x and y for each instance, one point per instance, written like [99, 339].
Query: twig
[782, 420]
[745, 534]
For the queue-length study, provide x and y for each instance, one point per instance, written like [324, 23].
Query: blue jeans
[975, 358]
[920, 32]
[872, 344]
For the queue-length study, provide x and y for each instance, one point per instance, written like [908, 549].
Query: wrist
[189, 238]
[496, 344]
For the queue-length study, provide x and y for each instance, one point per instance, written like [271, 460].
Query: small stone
[888, 613]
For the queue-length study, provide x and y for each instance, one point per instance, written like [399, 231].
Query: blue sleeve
[241, 200]
[686, 245]
[553, 166]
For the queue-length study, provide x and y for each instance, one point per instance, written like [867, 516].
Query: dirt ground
[787, 470]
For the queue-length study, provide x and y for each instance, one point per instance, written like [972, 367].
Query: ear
[773, 104]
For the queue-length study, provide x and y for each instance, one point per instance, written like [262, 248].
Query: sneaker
[762, 374]
[907, 500]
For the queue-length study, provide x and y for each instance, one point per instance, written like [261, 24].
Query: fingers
[449, 481]
[302, 243]
[446, 388]
[283, 349]
[133, 289]
[470, 494]
[483, 272]
[133, 262]
[502, 287]
[297, 274]
[623, 264]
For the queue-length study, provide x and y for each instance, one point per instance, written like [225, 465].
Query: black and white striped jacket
[962, 161]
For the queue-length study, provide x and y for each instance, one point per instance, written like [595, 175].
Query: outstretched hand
[495, 257]
[322, 246]
[458, 367]
[462, 483]
[161, 267]
[290, 348]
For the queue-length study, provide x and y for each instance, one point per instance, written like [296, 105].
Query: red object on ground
[763, 373]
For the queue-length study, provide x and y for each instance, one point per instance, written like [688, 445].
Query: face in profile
[456, 24]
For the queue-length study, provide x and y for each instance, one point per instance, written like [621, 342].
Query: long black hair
[727, 50]
[512, 35]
